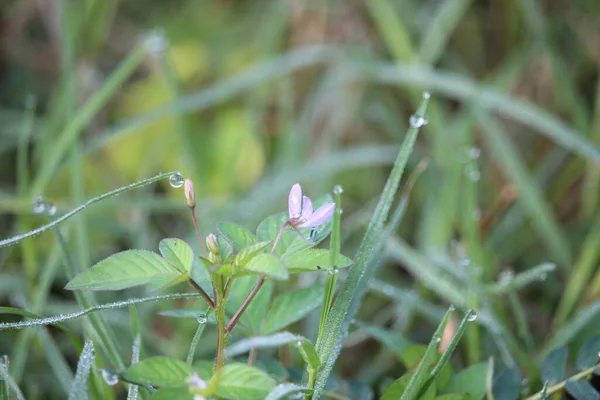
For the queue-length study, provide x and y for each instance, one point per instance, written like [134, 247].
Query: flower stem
[210, 301]
[256, 287]
[197, 228]
[222, 333]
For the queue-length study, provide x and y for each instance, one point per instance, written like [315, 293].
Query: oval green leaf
[312, 260]
[269, 265]
[121, 270]
[159, 371]
[269, 228]
[178, 253]
[243, 382]
[238, 236]
[291, 307]
[246, 254]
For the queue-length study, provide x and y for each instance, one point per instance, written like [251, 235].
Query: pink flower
[301, 213]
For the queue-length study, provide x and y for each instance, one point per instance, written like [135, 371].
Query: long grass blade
[79, 389]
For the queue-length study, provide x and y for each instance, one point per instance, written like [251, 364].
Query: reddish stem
[198, 233]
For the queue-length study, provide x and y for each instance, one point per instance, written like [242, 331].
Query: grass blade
[132, 391]
[415, 382]
[79, 389]
[347, 302]
[18, 238]
[460, 331]
[530, 195]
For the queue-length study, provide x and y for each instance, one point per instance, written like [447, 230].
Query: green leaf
[269, 265]
[175, 393]
[200, 275]
[79, 390]
[284, 390]
[412, 355]
[120, 271]
[237, 235]
[588, 353]
[582, 390]
[248, 252]
[456, 396]
[507, 384]
[243, 382]
[273, 367]
[165, 280]
[252, 318]
[269, 228]
[159, 371]
[178, 253]
[225, 248]
[312, 260]
[291, 307]
[471, 380]
[554, 367]
[398, 388]
[308, 353]
[259, 342]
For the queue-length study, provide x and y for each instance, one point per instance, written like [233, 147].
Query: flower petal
[307, 208]
[295, 201]
[319, 217]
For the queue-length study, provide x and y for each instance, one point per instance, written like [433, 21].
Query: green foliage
[243, 382]
[158, 371]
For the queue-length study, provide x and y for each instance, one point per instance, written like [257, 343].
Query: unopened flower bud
[212, 244]
[190, 196]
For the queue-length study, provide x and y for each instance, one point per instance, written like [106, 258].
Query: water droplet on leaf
[110, 377]
[338, 189]
[473, 173]
[417, 121]
[472, 317]
[176, 180]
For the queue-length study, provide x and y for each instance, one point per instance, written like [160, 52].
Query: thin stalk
[256, 287]
[550, 390]
[199, 331]
[197, 228]
[205, 295]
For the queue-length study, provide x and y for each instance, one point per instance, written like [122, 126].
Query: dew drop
[39, 205]
[156, 42]
[426, 95]
[110, 377]
[388, 290]
[474, 153]
[465, 262]
[543, 277]
[417, 121]
[338, 189]
[176, 180]
[472, 317]
[599, 354]
[473, 173]
[299, 343]
[506, 276]
[50, 209]
[437, 340]
[201, 319]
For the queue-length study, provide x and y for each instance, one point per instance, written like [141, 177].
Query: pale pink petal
[319, 217]
[307, 208]
[295, 201]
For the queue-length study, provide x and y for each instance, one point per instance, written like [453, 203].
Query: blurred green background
[249, 97]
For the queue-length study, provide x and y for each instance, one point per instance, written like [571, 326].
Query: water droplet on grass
[176, 180]
[338, 189]
[156, 42]
[417, 121]
[473, 173]
[472, 317]
[39, 205]
[426, 95]
[110, 377]
[474, 153]
[50, 209]
[201, 319]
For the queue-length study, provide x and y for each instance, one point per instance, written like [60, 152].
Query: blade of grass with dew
[79, 389]
[591, 183]
[196, 339]
[460, 331]
[108, 306]
[530, 195]
[132, 391]
[580, 274]
[18, 238]
[486, 97]
[4, 385]
[346, 304]
[416, 381]
[438, 32]
[56, 360]
[74, 128]
[535, 274]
